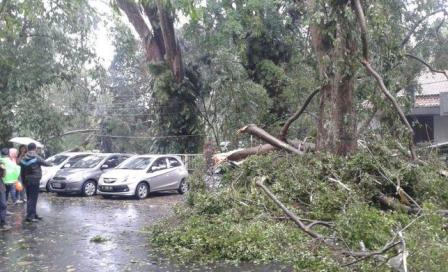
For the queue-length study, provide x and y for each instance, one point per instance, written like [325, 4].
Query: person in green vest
[12, 173]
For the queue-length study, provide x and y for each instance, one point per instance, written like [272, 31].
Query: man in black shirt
[31, 175]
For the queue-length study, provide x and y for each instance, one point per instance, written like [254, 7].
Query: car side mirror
[151, 169]
[67, 165]
[104, 166]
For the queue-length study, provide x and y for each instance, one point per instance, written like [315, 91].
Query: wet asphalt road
[65, 239]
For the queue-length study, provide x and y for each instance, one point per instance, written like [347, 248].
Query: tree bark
[336, 125]
[173, 54]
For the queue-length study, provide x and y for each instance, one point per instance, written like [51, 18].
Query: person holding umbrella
[31, 175]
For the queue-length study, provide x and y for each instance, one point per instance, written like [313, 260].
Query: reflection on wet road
[65, 239]
[94, 234]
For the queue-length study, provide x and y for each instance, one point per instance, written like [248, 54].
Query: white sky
[103, 40]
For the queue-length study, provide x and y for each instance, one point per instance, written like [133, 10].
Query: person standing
[13, 156]
[3, 225]
[11, 175]
[22, 153]
[31, 175]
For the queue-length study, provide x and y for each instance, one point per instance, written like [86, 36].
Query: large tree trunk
[163, 52]
[334, 47]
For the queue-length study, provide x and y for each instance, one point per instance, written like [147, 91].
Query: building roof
[432, 84]
[426, 101]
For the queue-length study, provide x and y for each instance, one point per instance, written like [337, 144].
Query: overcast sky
[103, 41]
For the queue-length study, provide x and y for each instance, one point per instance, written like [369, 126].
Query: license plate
[56, 185]
[108, 188]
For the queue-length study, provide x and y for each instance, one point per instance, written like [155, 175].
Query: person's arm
[42, 162]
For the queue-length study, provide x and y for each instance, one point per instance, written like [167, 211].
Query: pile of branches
[404, 202]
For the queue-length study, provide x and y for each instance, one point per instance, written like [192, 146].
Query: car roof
[156, 156]
[75, 153]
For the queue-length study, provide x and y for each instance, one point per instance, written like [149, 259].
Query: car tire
[47, 187]
[142, 190]
[183, 187]
[89, 188]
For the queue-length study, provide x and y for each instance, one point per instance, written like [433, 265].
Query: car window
[74, 159]
[174, 162]
[57, 159]
[136, 163]
[159, 164]
[88, 162]
[113, 161]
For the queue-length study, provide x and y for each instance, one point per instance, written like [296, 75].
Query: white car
[58, 161]
[140, 175]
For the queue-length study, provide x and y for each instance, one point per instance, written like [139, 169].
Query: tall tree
[41, 43]
[175, 84]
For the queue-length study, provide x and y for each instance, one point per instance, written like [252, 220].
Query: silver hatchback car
[82, 176]
[142, 174]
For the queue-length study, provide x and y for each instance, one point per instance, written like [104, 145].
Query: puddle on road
[91, 234]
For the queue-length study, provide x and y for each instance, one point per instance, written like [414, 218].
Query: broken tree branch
[367, 254]
[394, 204]
[298, 221]
[265, 136]
[296, 115]
[241, 154]
[78, 131]
[427, 65]
[244, 153]
[366, 62]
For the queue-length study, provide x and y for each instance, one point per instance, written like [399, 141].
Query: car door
[175, 175]
[159, 174]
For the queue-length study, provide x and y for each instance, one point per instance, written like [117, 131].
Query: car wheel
[183, 187]
[47, 187]
[142, 190]
[89, 188]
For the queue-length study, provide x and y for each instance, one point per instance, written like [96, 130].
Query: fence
[191, 161]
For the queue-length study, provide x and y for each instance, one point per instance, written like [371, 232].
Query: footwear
[19, 202]
[5, 227]
[31, 220]
[38, 217]
[9, 213]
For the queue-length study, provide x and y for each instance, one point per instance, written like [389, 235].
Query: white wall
[440, 129]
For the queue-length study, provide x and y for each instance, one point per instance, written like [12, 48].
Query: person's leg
[23, 194]
[2, 208]
[28, 204]
[7, 186]
[35, 202]
[12, 192]
[32, 200]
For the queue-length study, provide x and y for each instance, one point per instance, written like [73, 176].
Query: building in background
[429, 115]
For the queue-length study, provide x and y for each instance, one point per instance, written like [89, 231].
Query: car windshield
[57, 159]
[88, 162]
[136, 163]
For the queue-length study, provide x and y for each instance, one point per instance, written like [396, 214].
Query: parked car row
[110, 174]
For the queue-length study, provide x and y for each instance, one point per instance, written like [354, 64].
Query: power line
[148, 137]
